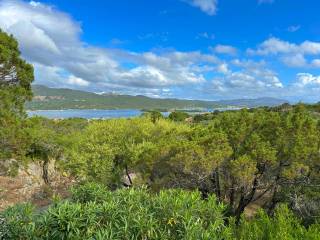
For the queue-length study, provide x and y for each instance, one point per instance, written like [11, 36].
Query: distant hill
[59, 98]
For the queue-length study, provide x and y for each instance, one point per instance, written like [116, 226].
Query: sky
[191, 49]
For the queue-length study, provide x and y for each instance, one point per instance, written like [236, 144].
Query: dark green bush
[95, 213]
[17, 222]
[90, 192]
[178, 116]
[283, 225]
[123, 214]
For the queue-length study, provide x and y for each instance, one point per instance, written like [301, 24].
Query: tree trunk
[245, 200]
[218, 187]
[274, 200]
[272, 204]
[231, 195]
[204, 192]
[128, 176]
[215, 180]
[240, 208]
[45, 172]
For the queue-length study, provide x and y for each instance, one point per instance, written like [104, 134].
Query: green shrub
[178, 116]
[283, 225]
[94, 213]
[90, 192]
[17, 222]
[122, 214]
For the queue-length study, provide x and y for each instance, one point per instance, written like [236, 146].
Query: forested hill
[55, 98]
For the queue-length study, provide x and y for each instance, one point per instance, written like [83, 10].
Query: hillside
[55, 98]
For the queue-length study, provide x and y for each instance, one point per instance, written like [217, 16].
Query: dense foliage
[240, 156]
[15, 88]
[153, 177]
[178, 116]
[95, 213]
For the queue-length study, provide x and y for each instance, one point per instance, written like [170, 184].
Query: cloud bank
[51, 41]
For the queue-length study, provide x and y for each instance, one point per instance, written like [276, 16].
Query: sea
[101, 114]
[87, 113]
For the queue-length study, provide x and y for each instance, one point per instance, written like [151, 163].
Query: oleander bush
[96, 213]
[18, 222]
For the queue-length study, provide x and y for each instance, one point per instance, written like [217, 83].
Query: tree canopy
[16, 76]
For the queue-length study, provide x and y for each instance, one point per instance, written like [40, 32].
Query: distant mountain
[257, 102]
[60, 98]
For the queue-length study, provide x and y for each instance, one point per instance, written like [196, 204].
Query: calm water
[94, 113]
[87, 113]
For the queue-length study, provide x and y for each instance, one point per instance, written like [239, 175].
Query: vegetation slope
[163, 178]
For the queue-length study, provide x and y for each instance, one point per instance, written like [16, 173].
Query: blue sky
[194, 49]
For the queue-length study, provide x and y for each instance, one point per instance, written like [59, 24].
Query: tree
[15, 73]
[153, 115]
[108, 150]
[282, 225]
[178, 116]
[16, 76]
[297, 171]
[273, 154]
[43, 144]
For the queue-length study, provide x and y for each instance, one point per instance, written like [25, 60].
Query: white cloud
[248, 64]
[205, 35]
[223, 68]
[49, 75]
[306, 87]
[315, 63]
[293, 28]
[225, 49]
[77, 81]
[307, 79]
[291, 54]
[273, 46]
[50, 39]
[35, 4]
[297, 60]
[253, 80]
[207, 6]
[311, 48]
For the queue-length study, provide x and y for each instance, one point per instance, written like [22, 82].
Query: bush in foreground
[283, 225]
[95, 213]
